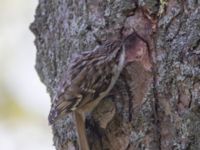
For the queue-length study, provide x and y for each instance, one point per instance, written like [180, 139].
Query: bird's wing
[87, 78]
[78, 94]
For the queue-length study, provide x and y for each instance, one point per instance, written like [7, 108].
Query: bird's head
[137, 51]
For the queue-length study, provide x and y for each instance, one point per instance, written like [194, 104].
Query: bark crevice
[158, 111]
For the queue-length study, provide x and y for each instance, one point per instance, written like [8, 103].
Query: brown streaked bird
[90, 77]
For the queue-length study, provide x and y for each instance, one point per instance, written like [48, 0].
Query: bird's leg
[80, 127]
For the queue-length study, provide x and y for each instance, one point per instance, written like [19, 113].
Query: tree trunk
[155, 111]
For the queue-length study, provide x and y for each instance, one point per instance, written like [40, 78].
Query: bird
[90, 77]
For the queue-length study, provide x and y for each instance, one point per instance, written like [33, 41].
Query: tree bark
[155, 111]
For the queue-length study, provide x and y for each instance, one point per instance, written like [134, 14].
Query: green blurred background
[24, 102]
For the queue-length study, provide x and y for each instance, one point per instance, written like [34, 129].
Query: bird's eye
[138, 56]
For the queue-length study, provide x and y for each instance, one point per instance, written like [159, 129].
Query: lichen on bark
[147, 111]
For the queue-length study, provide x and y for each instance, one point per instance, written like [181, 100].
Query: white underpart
[117, 68]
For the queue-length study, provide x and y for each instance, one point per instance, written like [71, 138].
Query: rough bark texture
[153, 111]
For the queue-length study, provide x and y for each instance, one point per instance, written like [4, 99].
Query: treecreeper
[90, 77]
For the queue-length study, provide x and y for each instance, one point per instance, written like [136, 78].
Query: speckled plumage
[90, 76]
